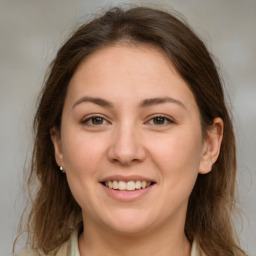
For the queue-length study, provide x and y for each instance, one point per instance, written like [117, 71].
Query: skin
[126, 140]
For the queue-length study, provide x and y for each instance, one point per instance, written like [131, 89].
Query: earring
[61, 169]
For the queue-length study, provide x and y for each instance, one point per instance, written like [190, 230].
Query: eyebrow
[156, 101]
[95, 100]
[145, 103]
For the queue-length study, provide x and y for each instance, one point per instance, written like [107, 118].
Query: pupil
[159, 120]
[97, 120]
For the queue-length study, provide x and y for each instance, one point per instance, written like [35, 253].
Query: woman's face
[130, 142]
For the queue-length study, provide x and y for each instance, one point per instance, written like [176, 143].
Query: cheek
[82, 158]
[177, 156]
[175, 150]
[81, 153]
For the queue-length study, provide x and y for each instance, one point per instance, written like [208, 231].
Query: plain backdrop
[31, 31]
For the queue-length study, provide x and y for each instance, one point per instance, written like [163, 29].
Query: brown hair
[54, 212]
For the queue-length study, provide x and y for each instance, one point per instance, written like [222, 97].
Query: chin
[129, 222]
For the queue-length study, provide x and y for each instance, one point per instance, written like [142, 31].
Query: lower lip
[126, 195]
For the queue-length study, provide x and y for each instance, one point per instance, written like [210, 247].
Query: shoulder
[62, 250]
[70, 247]
[28, 252]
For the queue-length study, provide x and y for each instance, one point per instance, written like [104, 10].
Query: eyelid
[167, 118]
[90, 117]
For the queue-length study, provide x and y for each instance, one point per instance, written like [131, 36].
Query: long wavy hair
[54, 213]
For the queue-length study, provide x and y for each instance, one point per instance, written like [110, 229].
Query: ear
[56, 140]
[211, 147]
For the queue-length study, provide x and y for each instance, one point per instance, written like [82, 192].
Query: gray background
[31, 32]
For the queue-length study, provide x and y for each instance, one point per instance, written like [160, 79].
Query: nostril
[126, 150]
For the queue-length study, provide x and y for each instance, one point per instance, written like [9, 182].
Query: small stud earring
[61, 169]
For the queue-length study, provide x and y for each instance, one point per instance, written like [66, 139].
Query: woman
[134, 148]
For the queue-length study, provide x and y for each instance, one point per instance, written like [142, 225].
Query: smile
[128, 186]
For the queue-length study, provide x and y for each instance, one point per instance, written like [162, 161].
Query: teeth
[122, 185]
[109, 184]
[115, 184]
[138, 184]
[130, 185]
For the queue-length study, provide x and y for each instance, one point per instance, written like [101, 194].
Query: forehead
[115, 57]
[133, 71]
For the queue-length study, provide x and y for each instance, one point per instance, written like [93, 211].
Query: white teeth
[109, 184]
[130, 185]
[138, 184]
[115, 184]
[122, 185]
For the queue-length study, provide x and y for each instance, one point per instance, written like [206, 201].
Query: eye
[95, 120]
[160, 120]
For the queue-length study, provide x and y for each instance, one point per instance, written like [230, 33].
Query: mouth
[127, 186]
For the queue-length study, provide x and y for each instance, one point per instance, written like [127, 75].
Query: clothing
[70, 248]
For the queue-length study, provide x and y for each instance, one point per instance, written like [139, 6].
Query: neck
[161, 242]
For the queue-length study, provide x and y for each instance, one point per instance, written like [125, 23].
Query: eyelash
[89, 121]
[166, 120]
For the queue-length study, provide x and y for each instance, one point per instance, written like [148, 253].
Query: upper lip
[127, 178]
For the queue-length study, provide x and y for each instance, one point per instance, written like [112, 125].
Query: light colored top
[70, 248]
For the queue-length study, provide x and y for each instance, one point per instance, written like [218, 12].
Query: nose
[126, 147]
